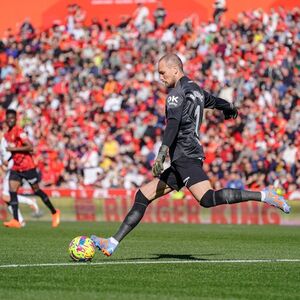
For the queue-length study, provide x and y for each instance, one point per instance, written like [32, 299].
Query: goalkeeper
[185, 105]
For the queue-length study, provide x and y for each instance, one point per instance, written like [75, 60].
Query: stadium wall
[43, 13]
[112, 206]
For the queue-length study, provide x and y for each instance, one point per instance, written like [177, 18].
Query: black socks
[134, 216]
[46, 200]
[14, 204]
[228, 196]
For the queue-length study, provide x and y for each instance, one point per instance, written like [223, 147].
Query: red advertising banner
[187, 210]
[112, 206]
[120, 2]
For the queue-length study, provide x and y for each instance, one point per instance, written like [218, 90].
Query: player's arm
[174, 112]
[3, 166]
[169, 137]
[5, 156]
[2, 170]
[3, 162]
[170, 132]
[229, 110]
[26, 147]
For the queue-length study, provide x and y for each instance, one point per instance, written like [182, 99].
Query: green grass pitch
[196, 268]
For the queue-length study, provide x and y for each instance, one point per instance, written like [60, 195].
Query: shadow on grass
[164, 256]
[178, 256]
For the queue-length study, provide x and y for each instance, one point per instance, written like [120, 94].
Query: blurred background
[82, 76]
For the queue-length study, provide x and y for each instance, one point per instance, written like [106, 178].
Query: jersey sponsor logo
[172, 100]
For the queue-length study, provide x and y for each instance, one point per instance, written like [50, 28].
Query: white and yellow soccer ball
[82, 249]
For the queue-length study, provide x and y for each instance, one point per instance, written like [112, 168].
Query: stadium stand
[90, 99]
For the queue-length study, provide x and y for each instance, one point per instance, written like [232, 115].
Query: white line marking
[154, 262]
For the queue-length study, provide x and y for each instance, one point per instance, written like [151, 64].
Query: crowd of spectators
[89, 96]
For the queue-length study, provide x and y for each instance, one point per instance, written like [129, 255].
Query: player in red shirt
[23, 168]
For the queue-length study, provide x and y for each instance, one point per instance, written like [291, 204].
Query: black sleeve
[174, 106]
[215, 102]
[170, 132]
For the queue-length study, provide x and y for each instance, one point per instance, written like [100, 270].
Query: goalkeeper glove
[158, 166]
[231, 112]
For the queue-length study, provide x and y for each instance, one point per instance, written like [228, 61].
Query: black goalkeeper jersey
[185, 103]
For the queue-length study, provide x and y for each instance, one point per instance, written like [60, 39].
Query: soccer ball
[82, 249]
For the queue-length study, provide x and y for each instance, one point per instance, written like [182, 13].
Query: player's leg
[14, 184]
[199, 185]
[6, 198]
[40, 193]
[32, 203]
[207, 197]
[20, 216]
[55, 212]
[144, 196]
[21, 199]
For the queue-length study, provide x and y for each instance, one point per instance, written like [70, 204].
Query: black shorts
[31, 176]
[184, 172]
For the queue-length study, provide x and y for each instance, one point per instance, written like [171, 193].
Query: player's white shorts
[5, 184]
